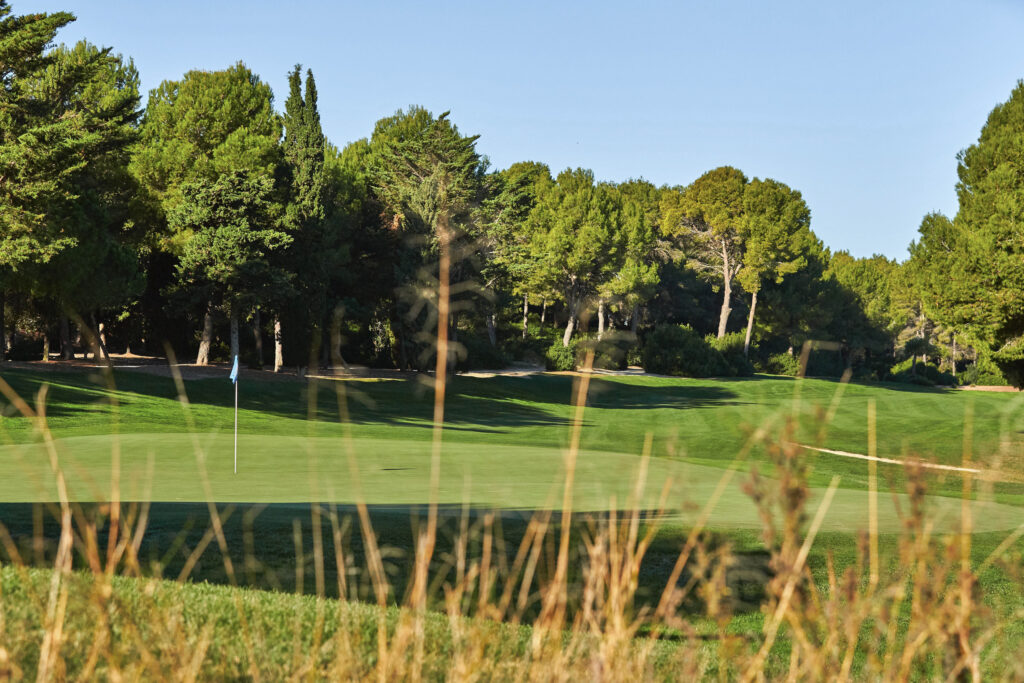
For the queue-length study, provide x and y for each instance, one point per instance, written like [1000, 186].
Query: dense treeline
[177, 225]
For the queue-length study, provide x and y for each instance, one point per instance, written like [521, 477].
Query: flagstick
[236, 426]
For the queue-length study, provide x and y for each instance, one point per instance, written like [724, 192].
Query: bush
[926, 374]
[984, 372]
[635, 355]
[679, 350]
[479, 354]
[530, 350]
[611, 352]
[731, 348]
[560, 357]
[825, 363]
[27, 348]
[780, 364]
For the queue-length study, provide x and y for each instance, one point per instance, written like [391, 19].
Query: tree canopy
[164, 225]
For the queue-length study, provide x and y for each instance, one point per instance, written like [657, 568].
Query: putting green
[292, 469]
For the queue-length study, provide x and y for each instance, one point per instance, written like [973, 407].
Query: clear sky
[861, 106]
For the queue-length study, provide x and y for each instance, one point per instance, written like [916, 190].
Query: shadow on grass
[283, 559]
[487, 405]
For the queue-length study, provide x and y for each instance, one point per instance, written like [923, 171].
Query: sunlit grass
[724, 573]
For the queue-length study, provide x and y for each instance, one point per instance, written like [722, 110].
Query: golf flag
[234, 380]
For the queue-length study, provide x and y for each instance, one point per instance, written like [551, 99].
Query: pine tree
[67, 117]
[233, 230]
[37, 150]
[985, 293]
[196, 129]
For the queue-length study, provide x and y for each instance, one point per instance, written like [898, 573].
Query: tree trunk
[543, 313]
[257, 334]
[492, 334]
[570, 325]
[102, 336]
[278, 346]
[66, 350]
[634, 320]
[953, 359]
[46, 347]
[325, 347]
[203, 357]
[3, 329]
[913, 365]
[336, 357]
[234, 333]
[750, 325]
[100, 344]
[600, 319]
[723, 317]
[526, 313]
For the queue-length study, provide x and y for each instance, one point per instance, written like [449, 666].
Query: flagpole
[234, 380]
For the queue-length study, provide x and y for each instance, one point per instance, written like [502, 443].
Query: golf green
[296, 469]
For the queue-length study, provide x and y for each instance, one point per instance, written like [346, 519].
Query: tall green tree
[637, 279]
[777, 237]
[69, 118]
[101, 203]
[233, 226]
[578, 241]
[38, 150]
[51, 137]
[194, 130]
[510, 196]
[933, 258]
[429, 177]
[317, 252]
[985, 293]
[708, 217]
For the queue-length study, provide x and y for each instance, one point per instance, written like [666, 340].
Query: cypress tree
[315, 251]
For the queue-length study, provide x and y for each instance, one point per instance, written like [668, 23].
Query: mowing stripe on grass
[890, 461]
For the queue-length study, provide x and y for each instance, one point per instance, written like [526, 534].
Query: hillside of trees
[203, 222]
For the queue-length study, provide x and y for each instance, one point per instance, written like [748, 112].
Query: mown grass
[505, 439]
[494, 423]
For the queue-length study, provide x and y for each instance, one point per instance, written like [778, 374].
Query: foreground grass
[158, 629]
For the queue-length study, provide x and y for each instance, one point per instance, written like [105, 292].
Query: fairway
[168, 467]
[505, 443]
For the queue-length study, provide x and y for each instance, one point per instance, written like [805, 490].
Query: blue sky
[860, 106]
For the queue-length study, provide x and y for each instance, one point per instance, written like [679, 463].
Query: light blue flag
[234, 371]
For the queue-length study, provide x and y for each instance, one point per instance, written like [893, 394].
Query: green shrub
[825, 363]
[780, 364]
[478, 354]
[560, 357]
[28, 348]
[925, 374]
[731, 348]
[530, 350]
[610, 353]
[679, 350]
[983, 372]
[635, 355]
